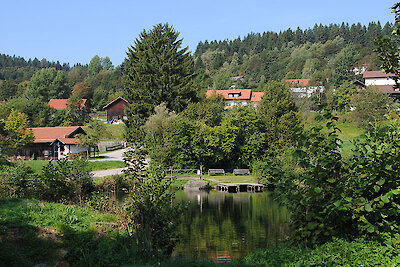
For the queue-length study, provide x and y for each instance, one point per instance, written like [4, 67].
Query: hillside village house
[237, 97]
[116, 109]
[52, 143]
[62, 104]
[382, 81]
[301, 87]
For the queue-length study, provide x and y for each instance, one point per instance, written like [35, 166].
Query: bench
[216, 171]
[241, 171]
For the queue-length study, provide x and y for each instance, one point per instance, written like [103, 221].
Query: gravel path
[113, 155]
[109, 172]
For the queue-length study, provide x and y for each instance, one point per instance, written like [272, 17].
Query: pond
[233, 225]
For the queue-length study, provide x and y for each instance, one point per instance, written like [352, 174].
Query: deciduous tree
[16, 133]
[47, 84]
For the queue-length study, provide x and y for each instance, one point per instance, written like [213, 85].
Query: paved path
[109, 172]
[113, 155]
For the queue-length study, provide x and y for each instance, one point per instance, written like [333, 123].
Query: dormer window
[234, 94]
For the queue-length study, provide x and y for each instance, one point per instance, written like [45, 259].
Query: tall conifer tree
[156, 70]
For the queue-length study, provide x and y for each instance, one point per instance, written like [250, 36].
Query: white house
[301, 88]
[382, 81]
[237, 97]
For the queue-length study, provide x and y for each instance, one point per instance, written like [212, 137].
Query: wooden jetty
[240, 187]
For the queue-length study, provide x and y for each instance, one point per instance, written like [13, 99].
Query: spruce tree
[156, 70]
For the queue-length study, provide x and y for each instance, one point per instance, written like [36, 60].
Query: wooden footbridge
[240, 187]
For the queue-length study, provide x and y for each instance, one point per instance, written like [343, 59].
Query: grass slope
[37, 165]
[33, 232]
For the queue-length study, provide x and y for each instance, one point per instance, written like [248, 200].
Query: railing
[113, 147]
[182, 173]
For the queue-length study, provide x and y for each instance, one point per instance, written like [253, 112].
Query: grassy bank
[37, 165]
[335, 253]
[216, 179]
[115, 132]
[33, 232]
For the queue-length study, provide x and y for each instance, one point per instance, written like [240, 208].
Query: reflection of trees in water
[238, 223]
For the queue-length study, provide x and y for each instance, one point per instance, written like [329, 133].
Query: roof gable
[50, 134]
[376, 74]
[240, 94]
[62, 104]
[300, 82]
[256, 96]
[118, 99]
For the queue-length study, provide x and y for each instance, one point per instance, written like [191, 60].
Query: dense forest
[320, 53]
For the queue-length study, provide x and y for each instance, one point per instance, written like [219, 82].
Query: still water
[235, 224]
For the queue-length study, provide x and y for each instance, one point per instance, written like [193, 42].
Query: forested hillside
[318, 53]
[17, 69]
[27, 86]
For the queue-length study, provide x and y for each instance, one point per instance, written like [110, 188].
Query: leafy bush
[373, 188]
[64, 180]
[16, 180]
[277, 169]
[150, 217]
[334, 253]
[267, 171]
[346, 198]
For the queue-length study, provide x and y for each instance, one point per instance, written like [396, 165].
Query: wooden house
[116, 109]
[54, 143]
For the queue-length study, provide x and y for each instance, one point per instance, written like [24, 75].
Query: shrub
[16, 180]
[346, 198]
[267, 171]
[65, 180]
[338, 252]
[149, 213]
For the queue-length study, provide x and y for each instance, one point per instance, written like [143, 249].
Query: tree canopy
[47, 84]
[157, 70]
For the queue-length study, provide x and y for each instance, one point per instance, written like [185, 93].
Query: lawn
[37, 165]
[115, 132]
[348, 132]
[33, 232]
[216, 179]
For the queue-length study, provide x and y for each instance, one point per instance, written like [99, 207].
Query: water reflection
[233, 223]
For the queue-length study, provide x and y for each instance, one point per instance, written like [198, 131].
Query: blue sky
[75, 31]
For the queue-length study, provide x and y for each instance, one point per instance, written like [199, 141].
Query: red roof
[114, 101]
[376, 74]
[62, 104]
[302, 82]
[387, 89]
[50, 134]
[256, 96]
[243, 94]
